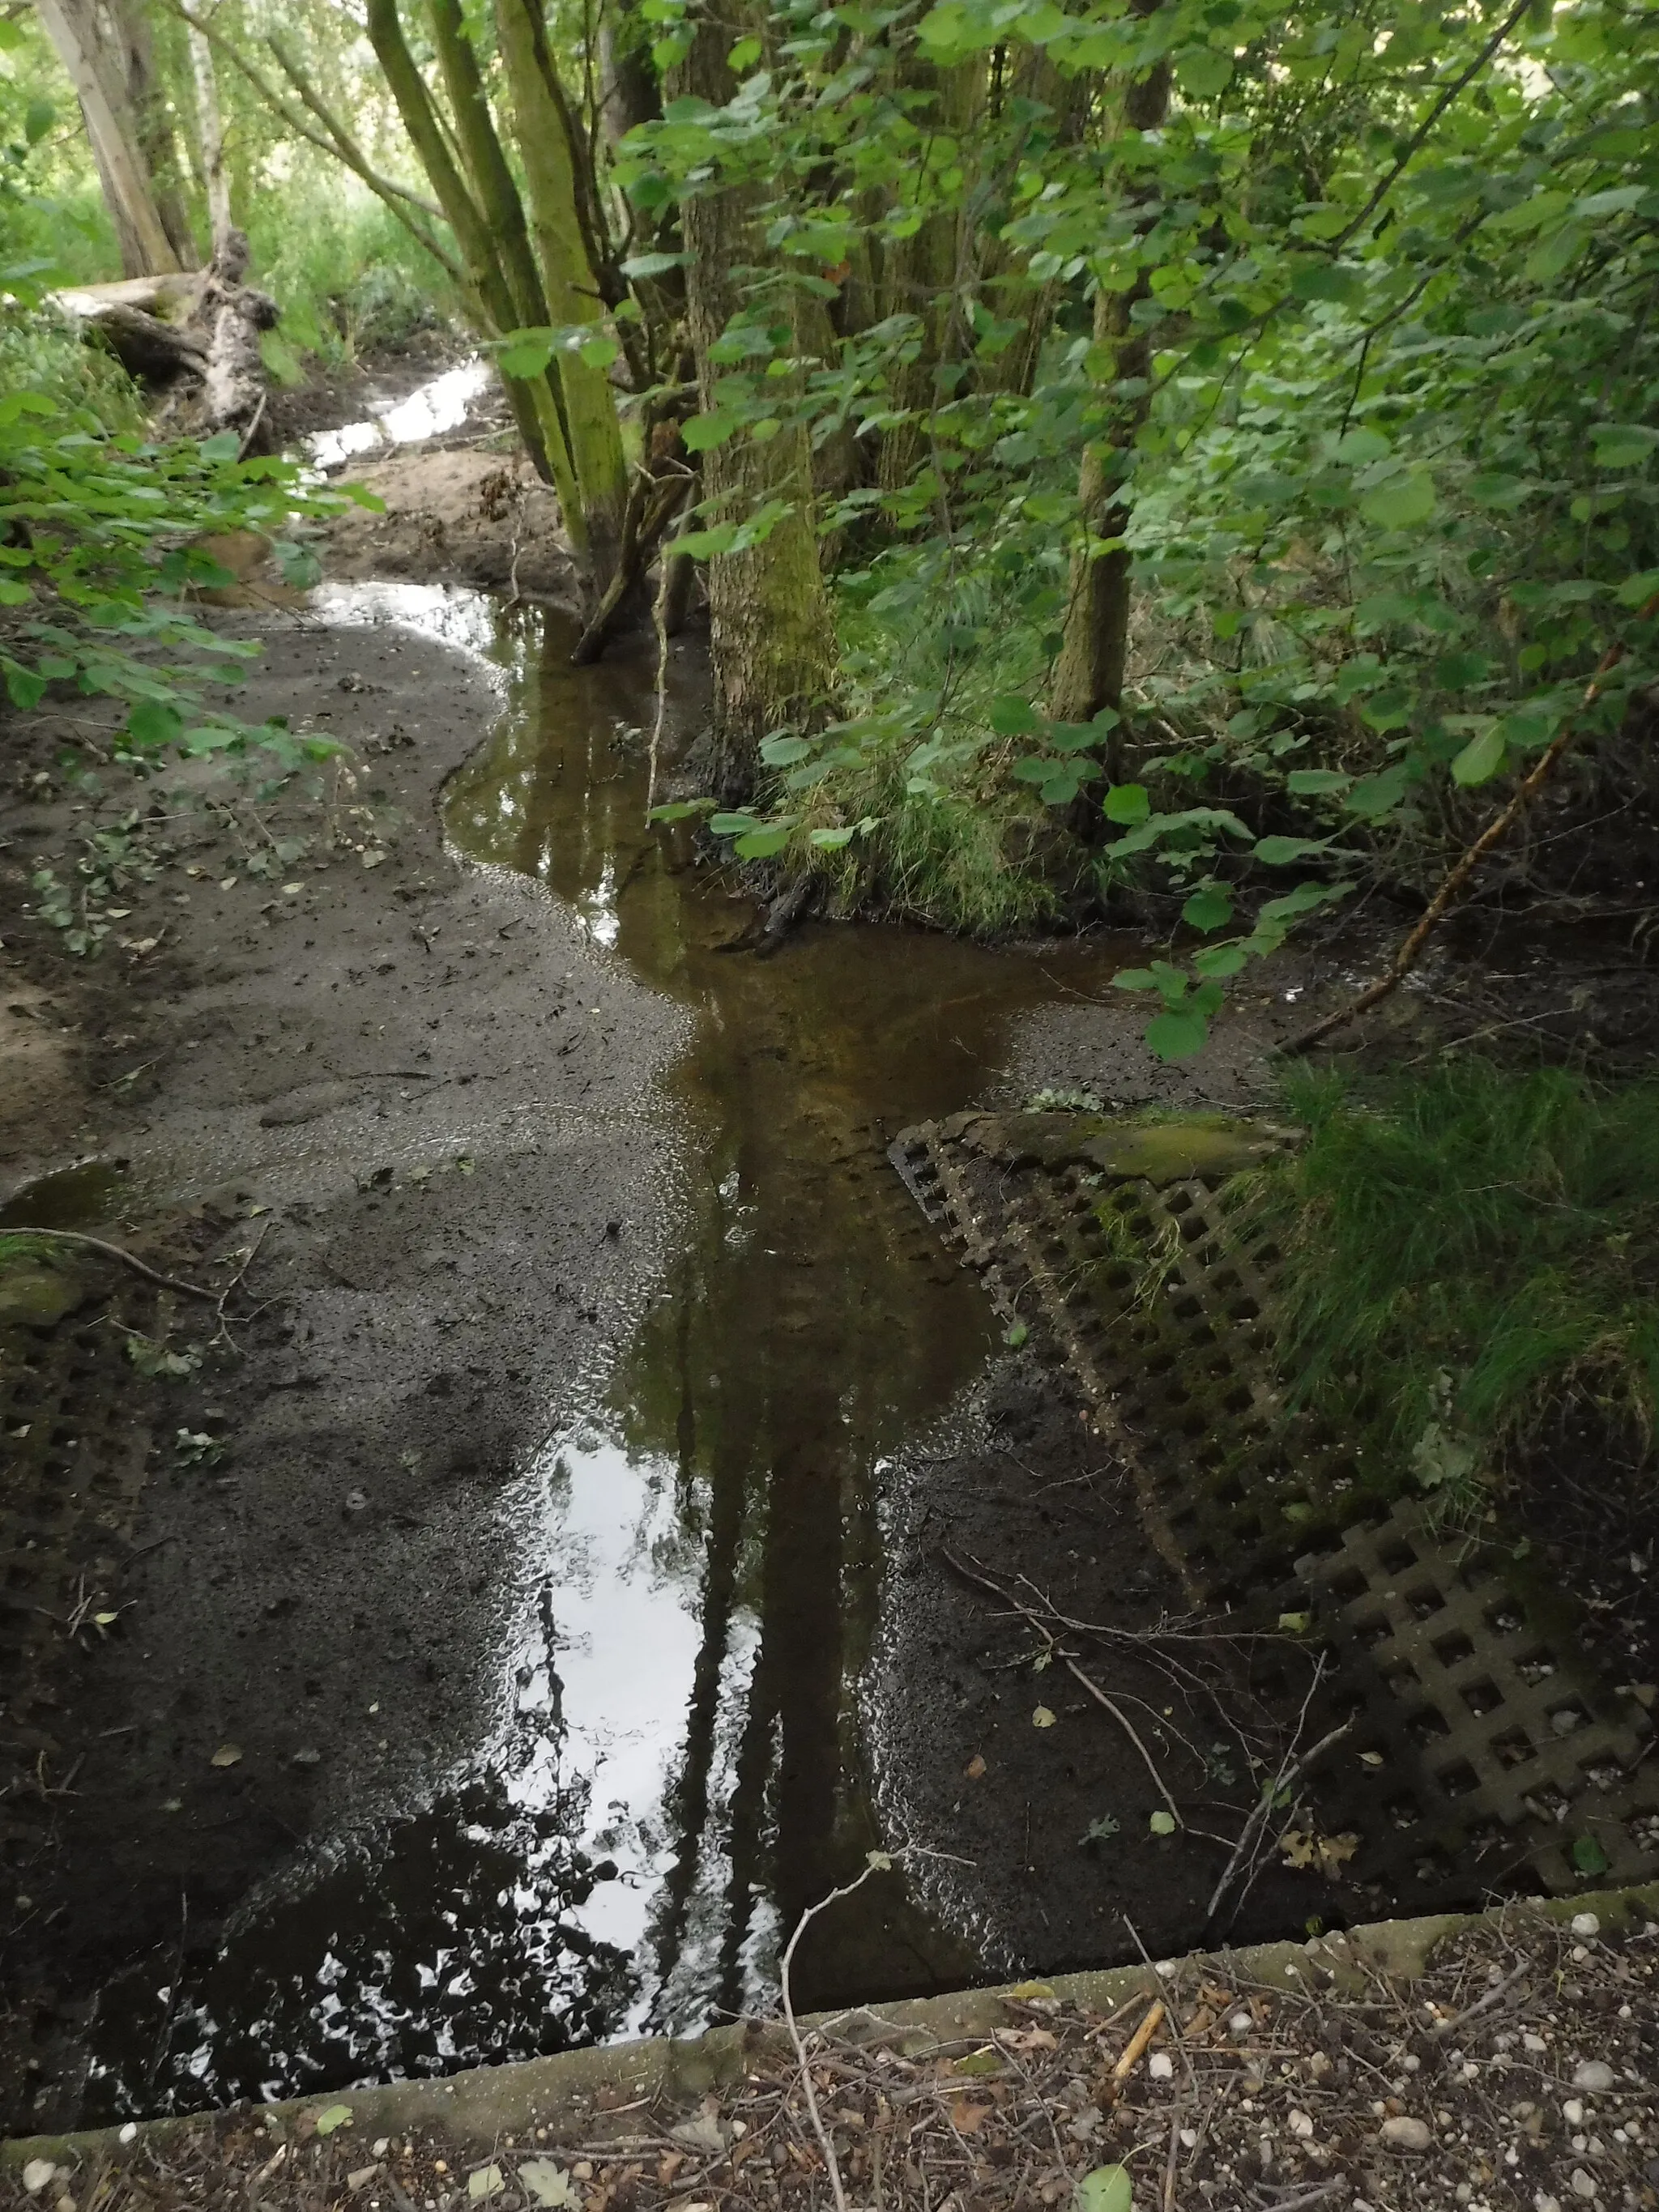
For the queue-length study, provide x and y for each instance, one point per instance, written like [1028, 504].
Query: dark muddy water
[681, 1771]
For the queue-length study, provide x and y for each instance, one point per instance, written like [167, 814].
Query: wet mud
[537, 1562]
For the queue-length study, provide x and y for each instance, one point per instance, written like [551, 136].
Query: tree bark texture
[921, 274]
[770, 634]
[90, 57]
[549, 146]
[210, 124]
[1090, 670]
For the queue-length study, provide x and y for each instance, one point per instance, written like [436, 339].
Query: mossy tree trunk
[771, 637]
[922, 275]
[1090, 670]
[520, 270]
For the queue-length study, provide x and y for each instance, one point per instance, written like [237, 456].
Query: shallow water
[441, 404]
[681, 1770]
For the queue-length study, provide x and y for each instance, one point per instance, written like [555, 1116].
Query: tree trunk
[547, 141]
[922, 272]
[770, 634]
[1094, 649]
[111, 128]
[489, 295]
[215, 178]
[153, 121]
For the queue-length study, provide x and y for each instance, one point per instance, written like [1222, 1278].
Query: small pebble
[1240, 2026]
[1407, 2134]
[129, 2133]
[1583, 2183]
[1301, 2124]
[1573, 2113]
[1160, 2066]
[1594, 2075]
[37, 2173]
[1586, 1925]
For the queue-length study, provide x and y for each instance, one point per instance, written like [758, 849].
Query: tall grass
[951, 838]
[1464, 1250]
[346, 274]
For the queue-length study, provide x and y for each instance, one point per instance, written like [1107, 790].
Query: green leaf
[1358, 448]
[1013, 718]
[1400, 502]
[1313, 782]
[153, 722]
[525, 354]
[1127, 803]
[704, 432]
[1176, 1035]
[23, 687]
[652, 265]
[333, 2117]
[744, 54]
[832, 841]
[1589, 1856]
[682, 809]
[1163, 1824]
[1015, 1335]
[1203, 71]
[733, 825]
[1622, 445]
[1636, 591]
[599, 351]
[761, 844]
[38, 118]
[1481, 758]
[1328, 279]
[1107, 2189]
[783, 750]
[1209, 908]
[223, 446]
[1279, 852]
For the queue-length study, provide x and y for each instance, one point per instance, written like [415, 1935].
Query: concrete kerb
[481, 2105]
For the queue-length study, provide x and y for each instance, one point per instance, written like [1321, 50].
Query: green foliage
[1391, 484]
[348, 277]
[1462, 1249]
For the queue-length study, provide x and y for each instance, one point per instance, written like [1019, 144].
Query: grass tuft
[1464, 1250]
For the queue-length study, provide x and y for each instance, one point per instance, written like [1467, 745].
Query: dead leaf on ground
[975, 1767]
[1302, 1848]
[967, 2119]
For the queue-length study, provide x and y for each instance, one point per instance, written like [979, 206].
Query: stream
[680, 1768]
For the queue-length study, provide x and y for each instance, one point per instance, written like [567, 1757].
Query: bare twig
[1087, 1682]
[1273, 1793]
[127, 1260]
[1411, 944]
[878, 1864]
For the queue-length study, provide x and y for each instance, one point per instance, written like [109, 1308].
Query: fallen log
[195, 337]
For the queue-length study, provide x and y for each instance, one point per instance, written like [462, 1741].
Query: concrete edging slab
[491, 2100]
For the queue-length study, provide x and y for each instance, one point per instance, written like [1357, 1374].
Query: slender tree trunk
[111, 128]
[1094, 648]
[489, 294]
[546, 133]
[211, 123]
[922, 272]
[157, 140]
[770, 634]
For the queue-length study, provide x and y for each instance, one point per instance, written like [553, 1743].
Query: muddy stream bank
[540, 1593]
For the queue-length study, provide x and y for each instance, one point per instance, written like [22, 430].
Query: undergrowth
[348, 277]
[1463, 1250]
[946, 833]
